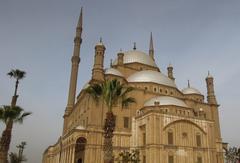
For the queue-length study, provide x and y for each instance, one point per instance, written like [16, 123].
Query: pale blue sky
[37, 36]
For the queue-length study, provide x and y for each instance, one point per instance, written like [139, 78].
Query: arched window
[198, 140]
[170, 137]
[144, 138]
[170, 159]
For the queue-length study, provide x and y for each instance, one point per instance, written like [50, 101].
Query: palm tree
[9, 115]
[111, 92]
[18, 75]
[21, 148]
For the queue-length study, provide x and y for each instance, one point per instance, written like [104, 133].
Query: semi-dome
[113, 71]
[137, 56]
[165, 100]
[191, 90]
[151, 76]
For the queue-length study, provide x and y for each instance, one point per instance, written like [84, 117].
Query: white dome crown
[151, 76]
[190, 90]
[165, 100]
[137, 56]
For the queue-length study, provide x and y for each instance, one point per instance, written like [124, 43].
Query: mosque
[166, 124]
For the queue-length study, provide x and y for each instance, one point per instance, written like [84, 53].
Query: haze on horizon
[37, 36]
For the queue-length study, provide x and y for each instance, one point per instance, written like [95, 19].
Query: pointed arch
[80, 149]
[186, 121]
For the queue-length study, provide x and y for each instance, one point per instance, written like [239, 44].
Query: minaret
[97, 72]
[210, 90]
[214, 106]
[151, 49]
[120, 57]
[170, 72]
[75, 64]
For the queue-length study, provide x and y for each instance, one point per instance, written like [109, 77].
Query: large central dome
[137, 56]
[151, 76]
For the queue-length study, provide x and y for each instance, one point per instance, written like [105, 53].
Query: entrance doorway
[80, 150]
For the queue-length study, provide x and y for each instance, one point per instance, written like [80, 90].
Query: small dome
[99, 44]
[151, 76]
[86, 86]
[191, 90]
[165, 100]
[137, 56]
[113, 71]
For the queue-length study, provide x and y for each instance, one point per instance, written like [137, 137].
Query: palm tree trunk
[14, 100]
[15, 96]
[7, 134]
[5, 142]
[108, 135]
[16, 87]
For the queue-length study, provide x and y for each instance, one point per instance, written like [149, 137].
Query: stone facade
[166, 124]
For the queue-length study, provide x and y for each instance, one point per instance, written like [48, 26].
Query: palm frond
[111, 91]
[10, 74]
[17, 74]
[16, 114]
[22, 117]
[127, 90]
[127, 101]
[95, 91]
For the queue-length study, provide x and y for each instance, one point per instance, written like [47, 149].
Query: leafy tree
[129, 157]
[111, 92]
[232, 155]
[9, 115]
[13, 158]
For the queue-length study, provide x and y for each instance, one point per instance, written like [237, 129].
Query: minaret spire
[134, 46]
[75, 64]
[80, 20]
[151, 49]
[188, 83]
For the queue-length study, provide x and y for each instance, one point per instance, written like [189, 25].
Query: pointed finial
[170, 64]
[100, 42]
[151, 49]
[151, 42]
[80, 20]
[188, 83]
[209, 75]
[111, 63]
[134, 46]
[121, 50]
